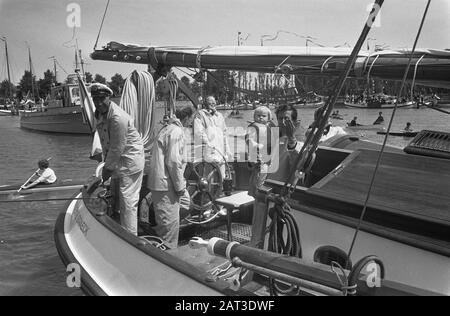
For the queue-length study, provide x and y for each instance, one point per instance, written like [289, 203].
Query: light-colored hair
[262, 109]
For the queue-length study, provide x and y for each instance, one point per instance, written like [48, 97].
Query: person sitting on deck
[166, 175]
[259, 141]
[44, 175]
[408, 127]
[379, 120]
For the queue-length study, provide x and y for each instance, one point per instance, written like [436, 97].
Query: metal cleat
[234, 281]
[197, 243]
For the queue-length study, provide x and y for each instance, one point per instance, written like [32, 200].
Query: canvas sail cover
[433, 65]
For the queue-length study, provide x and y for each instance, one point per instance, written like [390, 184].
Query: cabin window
[328, 254]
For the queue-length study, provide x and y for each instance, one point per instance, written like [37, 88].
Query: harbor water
[29, 263]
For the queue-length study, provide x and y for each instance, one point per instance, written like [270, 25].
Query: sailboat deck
[407, 185]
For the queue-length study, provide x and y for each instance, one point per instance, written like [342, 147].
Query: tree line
[222, 84]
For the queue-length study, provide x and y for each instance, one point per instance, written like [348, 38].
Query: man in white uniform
[123, 150]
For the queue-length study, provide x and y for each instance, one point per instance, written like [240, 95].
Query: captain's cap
[100, 90]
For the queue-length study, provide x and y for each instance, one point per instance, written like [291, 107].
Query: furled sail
[429, 66]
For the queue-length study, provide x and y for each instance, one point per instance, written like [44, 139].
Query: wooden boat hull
[63, 120]
[366, 128]
[400, 133]
[114, 262]
[378, 106]
[403, 263]
[60, 185]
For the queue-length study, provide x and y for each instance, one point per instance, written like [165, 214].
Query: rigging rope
[101, 25]
[284, 238]
[138, 100]
[387, 135]
[312, 141]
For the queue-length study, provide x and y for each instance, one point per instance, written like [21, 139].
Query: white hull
[119, 267]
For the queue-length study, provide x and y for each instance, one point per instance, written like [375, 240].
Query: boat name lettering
[81, 223]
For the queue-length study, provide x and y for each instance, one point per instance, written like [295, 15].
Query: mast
[54, 70]
[81, 62]
[31, 72]
[7, 66]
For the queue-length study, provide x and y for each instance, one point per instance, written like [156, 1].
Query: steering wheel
[204, 184]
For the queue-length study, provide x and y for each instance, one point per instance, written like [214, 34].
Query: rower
[408, 127]
[353, 122]
[44, 175]
[380, 119]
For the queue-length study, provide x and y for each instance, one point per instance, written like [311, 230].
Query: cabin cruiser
[61, 113]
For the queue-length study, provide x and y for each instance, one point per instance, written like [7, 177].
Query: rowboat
[353, 225]
[400, 133]
[59, 185]
[365, 127]
[379, 105]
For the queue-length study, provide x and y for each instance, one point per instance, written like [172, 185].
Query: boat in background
[377, 127]
[378, 105]
[400, 133]
[61, 113]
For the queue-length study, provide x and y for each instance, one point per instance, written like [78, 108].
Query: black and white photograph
[224, 155]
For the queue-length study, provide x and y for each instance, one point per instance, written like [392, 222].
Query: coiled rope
[284, 238]
[138, 100]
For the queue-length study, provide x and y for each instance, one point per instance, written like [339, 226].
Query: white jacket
[210, 130]
[122, 144]
[167, 163]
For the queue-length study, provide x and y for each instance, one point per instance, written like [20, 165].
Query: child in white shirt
[44, 175]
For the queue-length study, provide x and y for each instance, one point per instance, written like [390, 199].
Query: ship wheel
[204, 184]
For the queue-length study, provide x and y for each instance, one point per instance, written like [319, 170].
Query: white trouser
[167, 216]
[129, 189]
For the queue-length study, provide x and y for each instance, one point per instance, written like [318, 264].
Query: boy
[45, 175]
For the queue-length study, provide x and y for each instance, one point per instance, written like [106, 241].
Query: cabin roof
[408, 185]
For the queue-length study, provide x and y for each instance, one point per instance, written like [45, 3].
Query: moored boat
[61, 114]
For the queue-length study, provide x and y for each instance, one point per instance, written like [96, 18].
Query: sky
[42, 25]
